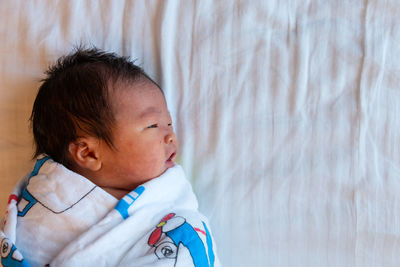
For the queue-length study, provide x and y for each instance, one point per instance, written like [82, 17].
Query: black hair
[76, 95]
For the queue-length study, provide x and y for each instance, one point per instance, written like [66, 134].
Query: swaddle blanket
[56, 217]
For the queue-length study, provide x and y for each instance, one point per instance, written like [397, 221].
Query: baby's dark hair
[76, 95]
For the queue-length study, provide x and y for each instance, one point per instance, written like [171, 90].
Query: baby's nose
[169, 138]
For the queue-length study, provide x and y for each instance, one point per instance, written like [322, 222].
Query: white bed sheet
[287, 113]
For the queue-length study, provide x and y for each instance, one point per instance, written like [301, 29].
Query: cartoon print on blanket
[19, 204]
[10, 256]
[29, 200]
[172, 232]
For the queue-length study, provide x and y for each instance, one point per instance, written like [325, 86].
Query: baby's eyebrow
[149, 111]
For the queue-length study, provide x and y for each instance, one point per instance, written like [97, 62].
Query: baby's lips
[173, 156]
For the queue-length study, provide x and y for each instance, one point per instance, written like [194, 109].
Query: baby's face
[144, 139]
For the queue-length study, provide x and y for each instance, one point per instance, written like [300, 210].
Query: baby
[105, 190]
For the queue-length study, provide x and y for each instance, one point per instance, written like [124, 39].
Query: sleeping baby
[105, 189]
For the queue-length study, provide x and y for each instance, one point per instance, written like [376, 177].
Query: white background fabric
[287, 113]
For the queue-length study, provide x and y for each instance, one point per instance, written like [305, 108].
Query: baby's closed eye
[153, 126]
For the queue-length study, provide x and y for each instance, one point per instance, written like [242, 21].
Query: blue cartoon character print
[173, 231]
[10, 256]
[27, 201]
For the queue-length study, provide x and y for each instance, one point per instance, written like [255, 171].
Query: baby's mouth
[172, 157]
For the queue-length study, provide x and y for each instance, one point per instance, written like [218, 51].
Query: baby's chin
[152, 175]
[159, 172]
[169, 165]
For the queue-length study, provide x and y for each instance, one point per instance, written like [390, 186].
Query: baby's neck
[116, 192]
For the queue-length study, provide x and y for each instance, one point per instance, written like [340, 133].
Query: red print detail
[169, 216]
[201, 231]
[12, 197]
[155, 236]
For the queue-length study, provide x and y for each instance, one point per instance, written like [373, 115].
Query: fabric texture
[63, 219]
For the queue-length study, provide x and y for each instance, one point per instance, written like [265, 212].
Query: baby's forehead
[140, 98]
[122, 84]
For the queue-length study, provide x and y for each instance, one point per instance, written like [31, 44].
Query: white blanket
[63, 219]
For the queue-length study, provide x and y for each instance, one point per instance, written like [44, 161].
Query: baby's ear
[84, 152]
